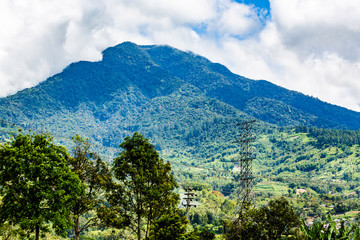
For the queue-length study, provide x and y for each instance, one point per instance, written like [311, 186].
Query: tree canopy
[268, 222]
[144, 188]
[36, 184]
[94, 173]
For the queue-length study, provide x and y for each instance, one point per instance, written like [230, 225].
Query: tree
[144, 190]
[174, 227]
[280, 218]
[95, 175]
[268, 222]
[37, 185]
[169, 227]
[249, 226]
[204, 234]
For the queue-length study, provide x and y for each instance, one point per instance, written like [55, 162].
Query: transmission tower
[244, 178]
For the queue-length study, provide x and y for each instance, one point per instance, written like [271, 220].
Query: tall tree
[144, 188]
[36, 184]
[94, 173]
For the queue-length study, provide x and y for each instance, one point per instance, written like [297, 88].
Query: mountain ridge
[111, 97]
[324, 112]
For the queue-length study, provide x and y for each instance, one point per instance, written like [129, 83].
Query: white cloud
[317, 27]
[39, 38]
[324, 37]
[235, 19]
[178, 11]
[308, 45]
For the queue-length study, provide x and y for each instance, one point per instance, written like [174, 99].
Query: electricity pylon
[244, 178]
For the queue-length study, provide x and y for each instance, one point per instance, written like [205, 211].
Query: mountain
[159, 70]
[154, 88]
[189, 108]
[187, 105]
[163, 92]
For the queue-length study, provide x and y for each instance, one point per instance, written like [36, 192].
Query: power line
[189, 197]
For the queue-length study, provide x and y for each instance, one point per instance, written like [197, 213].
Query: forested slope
[190, 108]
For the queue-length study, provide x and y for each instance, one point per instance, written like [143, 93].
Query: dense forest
[331, 136]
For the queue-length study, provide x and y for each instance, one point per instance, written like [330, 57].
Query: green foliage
[332, 136]
[168, 227]
[204, 234]
[95, 175]
[328, 230]
[36, 184]
[196, 185]
[144, 191]
[281, 218]
[261, 99]
[10, 232]
[273, 221]
[211, 210]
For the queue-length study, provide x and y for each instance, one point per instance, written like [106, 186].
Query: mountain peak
[142, 73]
[126, 53]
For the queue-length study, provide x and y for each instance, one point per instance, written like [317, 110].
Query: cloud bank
[304, 45]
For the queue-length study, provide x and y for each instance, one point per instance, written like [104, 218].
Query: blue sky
[303, 45]
[263, 4]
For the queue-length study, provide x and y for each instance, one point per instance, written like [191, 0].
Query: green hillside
[189, 108]
[261, 99]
